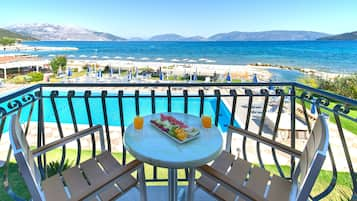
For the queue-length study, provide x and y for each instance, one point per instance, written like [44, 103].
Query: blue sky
[144, 18]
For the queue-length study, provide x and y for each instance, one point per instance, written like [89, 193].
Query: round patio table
[152, 146]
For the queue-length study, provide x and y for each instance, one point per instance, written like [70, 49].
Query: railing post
[233, 93]
[122, 125]
[70, 95]
[292, 121]
[217, 93]
[202, 101]
[105, 115]
[87, 94]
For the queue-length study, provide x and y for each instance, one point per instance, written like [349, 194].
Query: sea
[327, 56]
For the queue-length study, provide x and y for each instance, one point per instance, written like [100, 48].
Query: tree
[7, 41]
[58, 62]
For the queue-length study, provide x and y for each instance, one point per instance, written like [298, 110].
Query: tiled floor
[159, 193]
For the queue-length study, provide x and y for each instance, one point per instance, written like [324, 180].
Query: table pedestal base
[173, 194]
[172, 184]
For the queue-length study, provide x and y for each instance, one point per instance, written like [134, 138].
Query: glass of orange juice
[138, 122]
[206, 121]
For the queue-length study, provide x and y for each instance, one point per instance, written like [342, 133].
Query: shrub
[20, 79]
[35, 76]
[58, 62]
[54, 166]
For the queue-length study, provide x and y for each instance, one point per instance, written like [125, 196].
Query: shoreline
[22, 47]
[305, 71]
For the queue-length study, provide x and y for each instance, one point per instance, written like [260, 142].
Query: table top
[151, 146]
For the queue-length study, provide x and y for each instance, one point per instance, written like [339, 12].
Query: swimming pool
[112, 108]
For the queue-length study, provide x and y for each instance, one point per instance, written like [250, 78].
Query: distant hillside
[345, 36]
[60, 33]
[246, 36]
[9, 34]
[268, 36]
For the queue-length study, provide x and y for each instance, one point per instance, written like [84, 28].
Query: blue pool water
[129, 109]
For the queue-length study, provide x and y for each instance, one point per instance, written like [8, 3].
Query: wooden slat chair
[99, 178]
[240, 180]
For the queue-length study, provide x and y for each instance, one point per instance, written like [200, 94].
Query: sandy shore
[21, 47]
[244, 72]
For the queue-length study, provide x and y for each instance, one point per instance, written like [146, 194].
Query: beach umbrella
[228, 78]
[136, 72]
[159, 59]
[255, 78]
[313, 107]
[210, 61]
[195, 75]
[129, 75]
[83, 56]
[161, 75]
[69, 73]
[175, 60]
[111, 71]
[99, 74]
[271, 87]
[202, 59]
[88, 69]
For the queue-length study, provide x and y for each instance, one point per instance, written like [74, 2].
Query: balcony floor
[160, 193]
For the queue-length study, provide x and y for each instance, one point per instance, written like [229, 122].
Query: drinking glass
[138, 122]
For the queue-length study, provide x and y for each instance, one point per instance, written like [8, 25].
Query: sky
[144, 18]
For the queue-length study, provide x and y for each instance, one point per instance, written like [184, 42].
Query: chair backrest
[311, 161]
[24, 159]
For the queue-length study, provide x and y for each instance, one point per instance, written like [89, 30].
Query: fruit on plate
[174, 127]
[173, 120]
[181, 134]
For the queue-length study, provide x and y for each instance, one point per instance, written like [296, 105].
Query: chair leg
[142, 183]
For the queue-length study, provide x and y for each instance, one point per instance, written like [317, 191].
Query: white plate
[189, 138]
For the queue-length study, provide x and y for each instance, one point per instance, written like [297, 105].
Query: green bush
[20, 79]
[342, 85]
[58, 62]
[36, 76]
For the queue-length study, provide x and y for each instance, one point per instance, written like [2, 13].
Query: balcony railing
[50, 111]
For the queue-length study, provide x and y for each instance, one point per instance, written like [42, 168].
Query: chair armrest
[93, 190]
[58, 143]
[267, 141]
[227, 182]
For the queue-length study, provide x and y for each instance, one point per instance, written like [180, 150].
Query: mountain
[246, 36]
[268, 36]
[9, 34]
[61, 32]
[344, 36]
[175, 37]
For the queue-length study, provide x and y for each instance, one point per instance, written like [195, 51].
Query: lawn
[342, 189]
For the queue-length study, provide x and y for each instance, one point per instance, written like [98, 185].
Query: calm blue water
[129, 110]
[334, 56]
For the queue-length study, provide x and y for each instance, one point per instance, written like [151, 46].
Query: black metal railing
[72, 106]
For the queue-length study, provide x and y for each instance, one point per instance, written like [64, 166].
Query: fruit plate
[193, 135]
